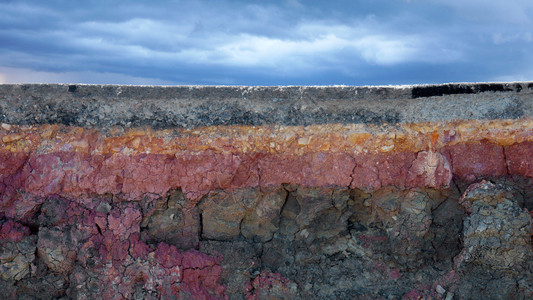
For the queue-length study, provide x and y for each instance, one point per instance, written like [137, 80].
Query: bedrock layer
[462, 242]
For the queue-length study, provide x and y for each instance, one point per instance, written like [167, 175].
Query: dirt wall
[138, 192]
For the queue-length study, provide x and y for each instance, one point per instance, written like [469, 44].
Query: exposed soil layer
[287, 242]
[363, 200]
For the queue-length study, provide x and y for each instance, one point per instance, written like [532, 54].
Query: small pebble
[440, 289]
[449, 296]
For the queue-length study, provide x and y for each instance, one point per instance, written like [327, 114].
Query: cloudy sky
[291, 42]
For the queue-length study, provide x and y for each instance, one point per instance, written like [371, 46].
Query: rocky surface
[294, 241]
[196, 106]
[421, 192]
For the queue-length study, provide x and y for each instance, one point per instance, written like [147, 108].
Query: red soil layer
[26, 177]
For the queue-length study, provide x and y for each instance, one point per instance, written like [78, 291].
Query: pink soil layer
[73, 174]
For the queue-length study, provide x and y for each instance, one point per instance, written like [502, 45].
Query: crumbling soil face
[115, 192]
[472, 240]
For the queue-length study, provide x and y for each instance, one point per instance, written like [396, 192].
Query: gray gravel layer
[104, 106]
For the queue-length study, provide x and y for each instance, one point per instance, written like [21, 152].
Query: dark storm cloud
[265, 42]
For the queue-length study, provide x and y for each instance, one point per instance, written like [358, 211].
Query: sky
[285, 42]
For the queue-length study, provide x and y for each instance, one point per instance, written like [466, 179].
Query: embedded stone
[222, 212]
[57, 250]
[16, 258]
[262, 221]
[498, 232]
[174, 222]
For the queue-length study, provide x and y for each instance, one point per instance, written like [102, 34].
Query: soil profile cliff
[139, 192]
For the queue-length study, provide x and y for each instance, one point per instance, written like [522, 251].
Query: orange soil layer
[293, 140]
